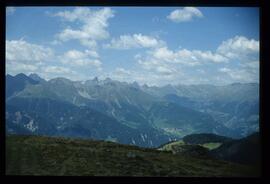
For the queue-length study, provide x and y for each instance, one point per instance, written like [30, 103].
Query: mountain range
[128, 113]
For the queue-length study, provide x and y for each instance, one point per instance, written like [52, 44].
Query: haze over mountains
[128, 113]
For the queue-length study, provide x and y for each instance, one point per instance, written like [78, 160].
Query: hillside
[38, 116]
[35, 155]
[245, 151]
[195, 141]
[205, 138]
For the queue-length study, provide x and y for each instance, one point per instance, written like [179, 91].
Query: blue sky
[156, 46]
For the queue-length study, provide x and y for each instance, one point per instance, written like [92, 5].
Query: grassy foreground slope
[36, 155]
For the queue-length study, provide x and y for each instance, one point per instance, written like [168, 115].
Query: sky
[149, 45]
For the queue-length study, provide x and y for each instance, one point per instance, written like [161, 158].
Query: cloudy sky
[156, 46]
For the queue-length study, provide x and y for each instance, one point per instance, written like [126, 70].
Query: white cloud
[120, 74]
[10, 10]
[134, 41]
[22, 51]
[185, 14]
[240, 75]
[184, 56]
[238, 47]
[251, 65]
[164, 61]
[88, 43]
[122, 71]
[91, 53]
[56, 70]
[70, 34]
[158, 67]
[93, 28]
[53, 71]
[79, 59]
[141, 77]
[164, 70]
[161, 65]
[17, 67]
[55, 42]
[79, 13]
[209, 56]
[164, 54]
[224, 70]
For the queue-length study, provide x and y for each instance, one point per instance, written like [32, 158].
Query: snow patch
[85, 94]
[133, 141]
[74, 99]
[113, 114]
[18, 117]
[128, 100]
[117, 103]
[142, 137]
[30, 126]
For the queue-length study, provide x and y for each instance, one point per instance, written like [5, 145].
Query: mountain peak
[60, 79]
[145, 86]
[135, 84]
[108, 79]
[36, 77]
[9, 76]
[21, 75]
[95, 79]
[33, 75]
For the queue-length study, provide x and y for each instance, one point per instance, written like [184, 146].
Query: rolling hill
[245, 151]
[35, 155]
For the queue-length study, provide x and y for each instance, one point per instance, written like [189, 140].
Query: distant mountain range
[128, 112]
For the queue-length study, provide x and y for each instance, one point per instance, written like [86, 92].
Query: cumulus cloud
[57, 70]
[238, 47]
[52, 71]
[163, 56]
[164, 70]
[158, 67]
[25, 57]
[161, 65]
[78, 59]
[224, 70]
[251, 65]
[22, 51]
[10, 10]
[185, 14]
[134, 41]
[240, 75]
[93, 25]
[171, 63]
[14, 68]
[122, 71]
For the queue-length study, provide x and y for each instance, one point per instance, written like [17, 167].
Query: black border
[133, 2]
[264, 92]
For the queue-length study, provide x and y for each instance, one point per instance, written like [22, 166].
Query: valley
[127, 112]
